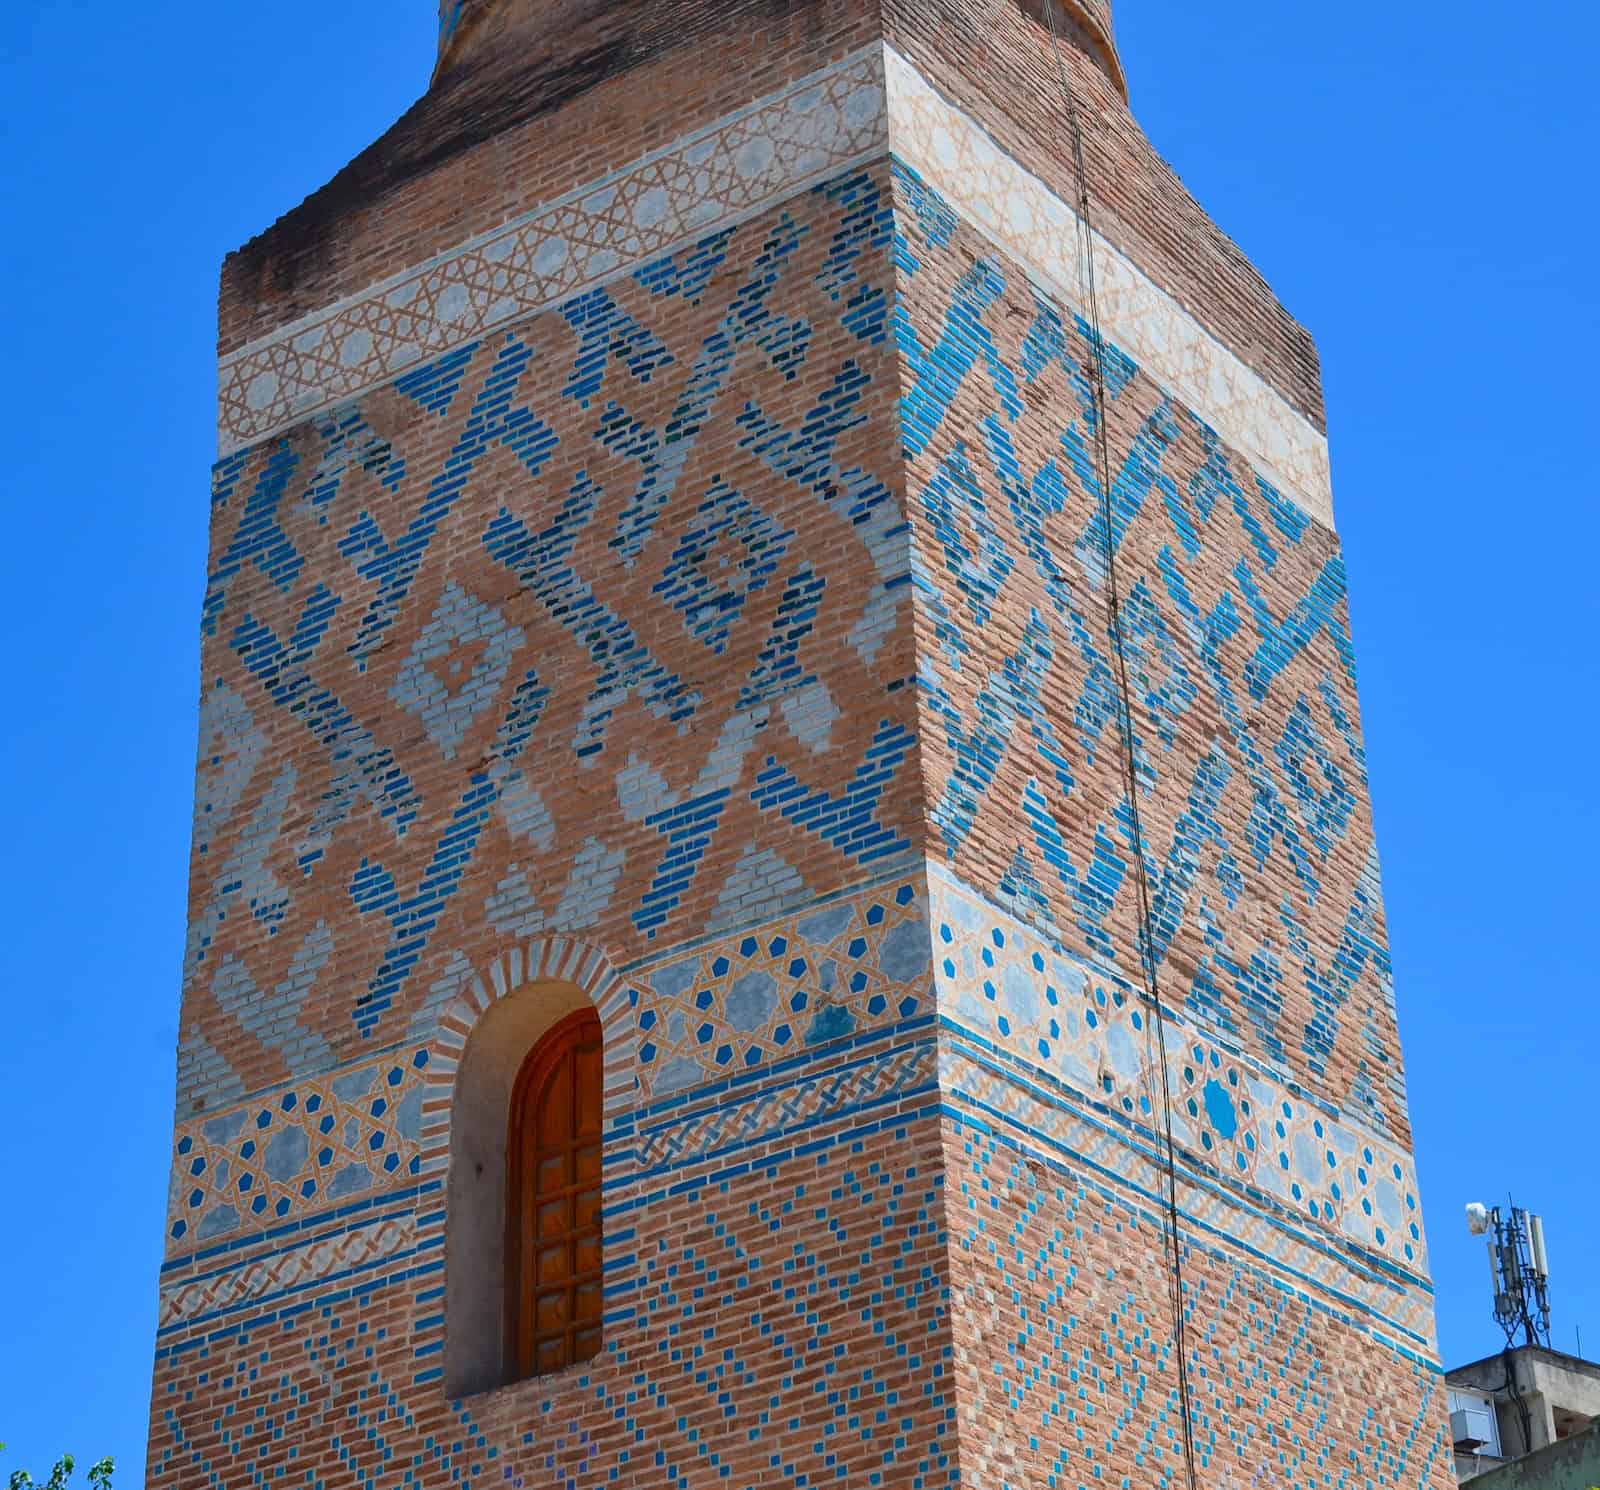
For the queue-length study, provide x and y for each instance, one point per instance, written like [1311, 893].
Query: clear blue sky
[1417, 182]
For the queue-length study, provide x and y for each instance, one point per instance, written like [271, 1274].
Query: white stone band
[854, 111]
[1018, 213]
[1252, 1125]
[717, 176]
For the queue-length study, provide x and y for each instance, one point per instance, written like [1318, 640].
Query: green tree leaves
[99, 1475]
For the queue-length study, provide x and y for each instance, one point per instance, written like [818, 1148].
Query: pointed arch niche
[517, 1119]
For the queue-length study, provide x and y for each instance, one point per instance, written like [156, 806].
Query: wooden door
[553, 1201]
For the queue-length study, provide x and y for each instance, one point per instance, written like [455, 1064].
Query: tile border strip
[348, 1135]
[1023, 217]
[1214, 1218]
[1007, 986]
[867, 105]
[820, 126]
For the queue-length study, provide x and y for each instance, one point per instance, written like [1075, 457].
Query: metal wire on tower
[1147, 952]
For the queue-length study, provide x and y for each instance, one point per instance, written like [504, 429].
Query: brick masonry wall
[769, 1320]
[995, 58]
[559, 101]
[494, 138]
[1063, 1346]
[1254, 804]
[598, 624]
[656, 551]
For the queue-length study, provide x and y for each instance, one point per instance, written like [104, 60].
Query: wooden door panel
[554, 1261]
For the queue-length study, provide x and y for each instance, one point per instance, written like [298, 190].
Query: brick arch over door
[554, 960]
[483, 1038]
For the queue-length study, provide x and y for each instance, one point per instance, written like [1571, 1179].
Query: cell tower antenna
[1519, 1267]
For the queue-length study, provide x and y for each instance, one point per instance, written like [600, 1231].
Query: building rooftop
[1520, 1402]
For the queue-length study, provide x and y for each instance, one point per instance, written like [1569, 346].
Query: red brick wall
[995, 59]
[782, 1324]
[498, 134]
[786, 557]
[1065, 1367]
[555, 103]
[727, 640]
[1254, 800]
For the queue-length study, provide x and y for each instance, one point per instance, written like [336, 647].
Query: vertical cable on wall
[1130, 770]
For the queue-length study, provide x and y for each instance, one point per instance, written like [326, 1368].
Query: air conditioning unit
[1471, 1428]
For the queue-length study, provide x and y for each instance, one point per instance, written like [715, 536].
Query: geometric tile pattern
[1055, 1125]
[297, 1149]
[785, 989]
[1219, 1275]
[544, 638]
[1252, 776]
[1021, 216]
[693, 591]
[1234, 1118]
[353, 1380]
[852, 111]
[1091, 1366]
[445, 712]
[710, 179]
[1064, 1269]
[286, 1272]
[459, 679]
[689, 1137]
[1112, 1355]
[858, 963]
[1063, 1026]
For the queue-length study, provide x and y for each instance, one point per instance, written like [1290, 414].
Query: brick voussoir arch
[554, 959]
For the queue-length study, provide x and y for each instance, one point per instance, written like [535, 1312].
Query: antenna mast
[1519, 1269]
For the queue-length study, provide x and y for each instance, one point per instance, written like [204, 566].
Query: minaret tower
[783, 889]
